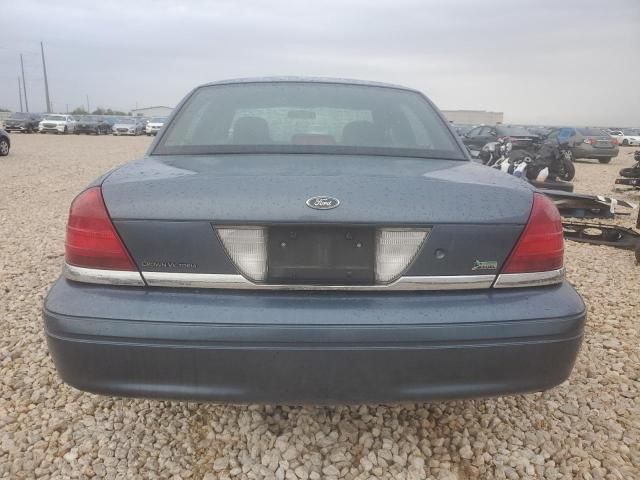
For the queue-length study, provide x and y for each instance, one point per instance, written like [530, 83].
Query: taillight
[541, 245]
[590, 141]
[92, 240]
[614, 141]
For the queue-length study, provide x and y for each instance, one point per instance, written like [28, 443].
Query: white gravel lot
[587, 428]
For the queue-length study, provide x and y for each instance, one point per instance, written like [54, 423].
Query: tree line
[99, 111]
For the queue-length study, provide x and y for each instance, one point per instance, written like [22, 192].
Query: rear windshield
[592, 132]
[293, 117]
[20, 115]
[514, 131]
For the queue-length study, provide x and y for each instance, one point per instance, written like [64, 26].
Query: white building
[152, 111]
[473, 117]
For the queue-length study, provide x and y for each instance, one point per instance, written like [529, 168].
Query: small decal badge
[323, 203]
[485, 265]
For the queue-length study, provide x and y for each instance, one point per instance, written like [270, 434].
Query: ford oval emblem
[323, 203]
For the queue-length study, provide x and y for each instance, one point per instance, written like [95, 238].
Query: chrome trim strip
[106, 277]
[535, 279]
[214, 280]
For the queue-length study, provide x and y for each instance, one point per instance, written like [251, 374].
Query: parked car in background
[5, 143]
[127, 126]
[93, 124]
[461, 128]
[541, 132]
[22, 122]
[626, 137]
[587, 142]
[316, 241]
[478, 137]
[57, 123]
[142, 121]
[154, 125]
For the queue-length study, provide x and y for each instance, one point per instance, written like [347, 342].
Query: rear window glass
[592, 131]
[307, 117]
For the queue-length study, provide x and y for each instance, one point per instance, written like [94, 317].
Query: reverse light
[395, 250]
[92, 240]
[247, 248]
[541, 245]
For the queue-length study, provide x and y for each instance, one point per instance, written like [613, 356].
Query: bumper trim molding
[533, 279]
[104, 277]
[214, 280]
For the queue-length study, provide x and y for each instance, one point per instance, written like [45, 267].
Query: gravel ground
[587, 428]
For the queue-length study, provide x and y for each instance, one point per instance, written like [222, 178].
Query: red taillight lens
[541, 245]
[92, 240]
[614, 141]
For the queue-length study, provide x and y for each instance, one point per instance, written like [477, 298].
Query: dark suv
[22, 122]
[587, 142]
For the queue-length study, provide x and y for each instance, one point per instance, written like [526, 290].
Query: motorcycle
[556, 157]
[550, 160]
[634, 171]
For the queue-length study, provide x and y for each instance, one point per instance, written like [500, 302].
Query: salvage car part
[599, 234]
[586, 206]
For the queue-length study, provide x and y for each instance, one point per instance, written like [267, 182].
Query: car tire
[4, 148]
[605, 160]
[625, 143]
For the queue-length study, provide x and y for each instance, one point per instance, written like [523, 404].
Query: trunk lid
[167, 210]
[274, 189]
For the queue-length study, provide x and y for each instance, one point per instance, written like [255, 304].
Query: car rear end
[311, 276]
[595, 143]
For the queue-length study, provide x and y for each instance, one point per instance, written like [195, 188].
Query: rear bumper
[312, 348]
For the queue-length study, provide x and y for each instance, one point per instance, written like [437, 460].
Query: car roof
[327, 80]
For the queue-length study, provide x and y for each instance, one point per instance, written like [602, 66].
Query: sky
[539, 62]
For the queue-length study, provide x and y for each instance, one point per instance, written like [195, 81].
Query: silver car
[127, 126]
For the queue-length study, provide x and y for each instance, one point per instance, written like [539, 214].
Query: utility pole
[88, 108]
[24, 85]
[20, 92]
[46, 82]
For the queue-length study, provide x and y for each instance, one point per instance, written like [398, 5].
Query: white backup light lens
[395, 250]
[247, 248]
